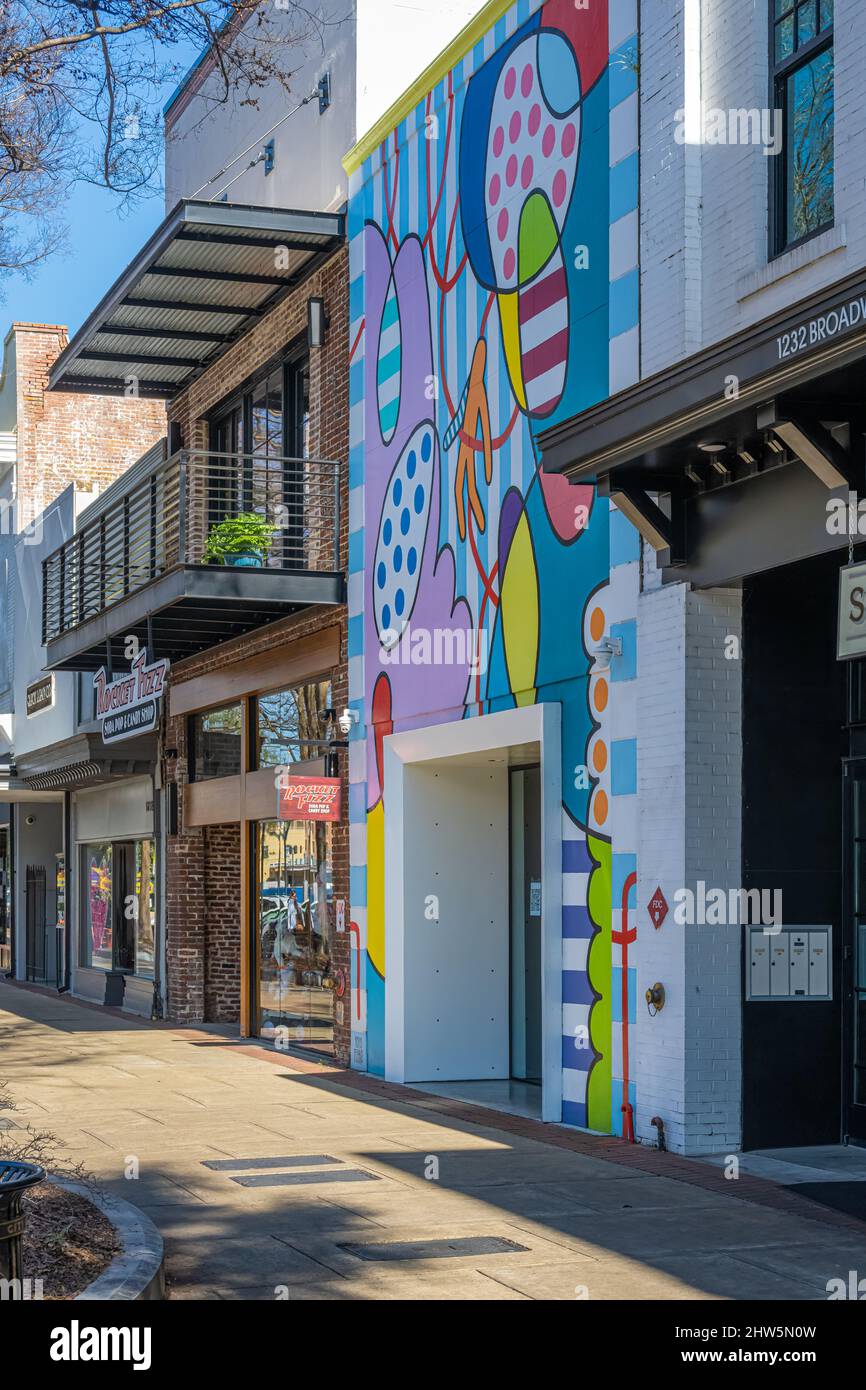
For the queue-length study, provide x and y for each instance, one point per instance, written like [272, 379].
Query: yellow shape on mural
[519, 614]
[376, 886]
[509, 305]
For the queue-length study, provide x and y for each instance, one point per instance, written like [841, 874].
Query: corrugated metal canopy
[206, 275]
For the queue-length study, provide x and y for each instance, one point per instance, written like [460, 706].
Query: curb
[138, 1271]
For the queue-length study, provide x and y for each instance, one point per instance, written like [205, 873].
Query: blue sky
[100, 244]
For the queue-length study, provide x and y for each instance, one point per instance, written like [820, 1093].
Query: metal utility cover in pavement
[292, 1179]
[436, 1249]
[241, 1165]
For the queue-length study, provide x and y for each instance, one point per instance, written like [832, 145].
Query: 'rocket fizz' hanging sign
[129, 704]
[309, 798]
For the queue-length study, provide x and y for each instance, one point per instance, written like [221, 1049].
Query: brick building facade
[203, 880]
[68, 437]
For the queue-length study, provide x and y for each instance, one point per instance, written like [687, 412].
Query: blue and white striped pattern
[389, 365]
[624, 196]
[577, 993]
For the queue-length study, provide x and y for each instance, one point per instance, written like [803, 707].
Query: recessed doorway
[473, 909]
[526, 900]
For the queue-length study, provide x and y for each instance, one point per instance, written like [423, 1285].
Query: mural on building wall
[481, 233]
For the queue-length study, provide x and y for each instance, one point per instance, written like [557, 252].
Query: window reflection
[810, 147]
[97, 934]
[295, 893]
[289, 724]
[216, 743]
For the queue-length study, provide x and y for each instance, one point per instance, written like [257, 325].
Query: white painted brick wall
[704, 223]
[689, 767]
[662, 186]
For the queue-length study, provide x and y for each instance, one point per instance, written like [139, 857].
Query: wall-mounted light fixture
[317, 322]
[811, 442]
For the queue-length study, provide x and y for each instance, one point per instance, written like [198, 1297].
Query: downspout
[625, 937]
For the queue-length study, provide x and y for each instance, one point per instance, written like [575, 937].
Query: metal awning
[204, 277]
[723, 388]
[773, 413]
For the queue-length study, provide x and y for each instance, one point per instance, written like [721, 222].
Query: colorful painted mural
[494, 266]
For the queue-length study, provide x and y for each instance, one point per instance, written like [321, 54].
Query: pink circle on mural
[498, 141]
[569, 140]
[495, 189]
[534, 119]
[527, 80]
[514, 127]
[527, 171]
[510, 83]
[548, 141]
[502, 224]
[560, 188]
[508, 263]
[511, 171]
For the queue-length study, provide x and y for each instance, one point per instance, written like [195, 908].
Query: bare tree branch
[80, 88]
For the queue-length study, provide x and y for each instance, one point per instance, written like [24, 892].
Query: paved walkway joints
[334, 1165]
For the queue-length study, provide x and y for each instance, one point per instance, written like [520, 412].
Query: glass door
[294, 892]
[125, 904]
[854, 952]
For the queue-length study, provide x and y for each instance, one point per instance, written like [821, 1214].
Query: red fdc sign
[657, 908]
[310, 798]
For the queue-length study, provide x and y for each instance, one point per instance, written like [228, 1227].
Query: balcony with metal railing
[149, 564]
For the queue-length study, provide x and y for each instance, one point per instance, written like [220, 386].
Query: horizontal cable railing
[197, 507]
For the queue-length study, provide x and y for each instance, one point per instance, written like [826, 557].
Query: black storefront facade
[743, 468]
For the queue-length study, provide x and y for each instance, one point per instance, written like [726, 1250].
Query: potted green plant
[244, 541]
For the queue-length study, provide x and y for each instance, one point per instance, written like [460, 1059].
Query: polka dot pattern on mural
[402, 532]
[530, 146]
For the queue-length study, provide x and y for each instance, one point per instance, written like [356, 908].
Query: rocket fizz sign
[309, 798]
[129, 705]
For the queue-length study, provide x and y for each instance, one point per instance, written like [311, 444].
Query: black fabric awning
[204, 277]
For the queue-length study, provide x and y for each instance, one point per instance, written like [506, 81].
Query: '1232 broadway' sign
[129, 704]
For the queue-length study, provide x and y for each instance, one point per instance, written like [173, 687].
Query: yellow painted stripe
[468, 37]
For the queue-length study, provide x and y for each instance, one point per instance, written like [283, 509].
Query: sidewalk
[337, 1161]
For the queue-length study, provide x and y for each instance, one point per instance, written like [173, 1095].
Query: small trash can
[15, 1178]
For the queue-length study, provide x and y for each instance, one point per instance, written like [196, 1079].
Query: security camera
[347, 721]
[30, 820]
[606, 650]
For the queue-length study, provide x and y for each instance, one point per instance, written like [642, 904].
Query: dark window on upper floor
[216, 744]
[801, 63]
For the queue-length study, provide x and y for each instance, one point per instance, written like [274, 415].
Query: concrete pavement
[270, 1177]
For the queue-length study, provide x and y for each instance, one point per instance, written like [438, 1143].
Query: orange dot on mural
[599, 757]
[596, 625]
[599, 807]
[600, 696]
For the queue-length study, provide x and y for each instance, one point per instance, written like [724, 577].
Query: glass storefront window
[295, 898]
[118, 925]
[97, 923]
[145, 900]
[216, 743]
[289, 726]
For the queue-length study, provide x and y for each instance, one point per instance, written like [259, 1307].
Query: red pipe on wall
[623, 937]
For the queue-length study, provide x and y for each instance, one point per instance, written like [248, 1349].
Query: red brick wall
[222, 995]
[201, 864]
[69, 436]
